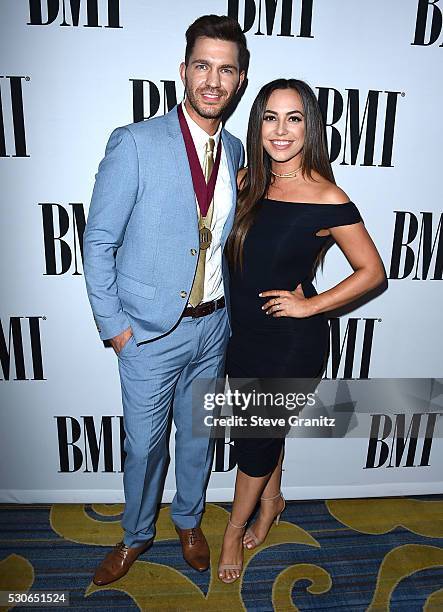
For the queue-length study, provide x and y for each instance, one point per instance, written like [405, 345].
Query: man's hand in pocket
[118, 342]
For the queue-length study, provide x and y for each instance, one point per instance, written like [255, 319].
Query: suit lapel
[229, 157]
[181, 166]
[233, 175]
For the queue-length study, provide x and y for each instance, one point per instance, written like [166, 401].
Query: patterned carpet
[358, 554]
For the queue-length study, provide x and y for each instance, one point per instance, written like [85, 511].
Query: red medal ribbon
[203, 191]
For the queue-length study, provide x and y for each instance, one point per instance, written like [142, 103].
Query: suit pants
[155, 376]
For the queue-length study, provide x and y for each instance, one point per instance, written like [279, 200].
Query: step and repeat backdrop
[73, 70]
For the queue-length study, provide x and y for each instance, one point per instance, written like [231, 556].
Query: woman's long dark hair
[258, 177]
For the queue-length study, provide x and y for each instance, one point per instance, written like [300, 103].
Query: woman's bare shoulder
[329, 193]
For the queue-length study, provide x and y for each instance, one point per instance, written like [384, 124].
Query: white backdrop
[65, 87]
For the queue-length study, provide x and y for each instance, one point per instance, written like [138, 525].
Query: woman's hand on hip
[283, 303]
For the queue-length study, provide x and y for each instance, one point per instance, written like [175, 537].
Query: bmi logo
[12, 117]
[393, 440]
[96, 444]
[224, 456]
[269, 17]
[63, 231]
[356, 121]
[88, 446]
[351, 348]
[20, 337]
[89, 13]
[417, 247]
[429, 23]
[148, 98]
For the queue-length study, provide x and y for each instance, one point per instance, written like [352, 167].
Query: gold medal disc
[205, 237]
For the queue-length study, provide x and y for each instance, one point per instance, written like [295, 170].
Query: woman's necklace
[291, 174]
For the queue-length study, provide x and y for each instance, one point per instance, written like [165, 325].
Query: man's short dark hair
[221, 27]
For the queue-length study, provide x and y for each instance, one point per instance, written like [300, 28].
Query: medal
[205, 237]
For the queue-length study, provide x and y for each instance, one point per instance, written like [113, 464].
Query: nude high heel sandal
[225, 566]
[249, 531]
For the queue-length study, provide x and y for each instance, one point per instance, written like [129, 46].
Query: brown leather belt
[204, 308]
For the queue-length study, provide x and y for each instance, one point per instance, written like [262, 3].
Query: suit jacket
[142, 229]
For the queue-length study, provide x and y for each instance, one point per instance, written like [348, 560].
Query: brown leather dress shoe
[195, 548]
[117, 562]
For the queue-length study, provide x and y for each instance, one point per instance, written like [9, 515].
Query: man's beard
[207, 112]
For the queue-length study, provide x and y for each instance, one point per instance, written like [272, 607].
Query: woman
[289, 213]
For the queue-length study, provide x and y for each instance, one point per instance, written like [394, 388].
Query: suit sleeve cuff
[109, 327]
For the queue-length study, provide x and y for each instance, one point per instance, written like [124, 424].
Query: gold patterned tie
[198, 286]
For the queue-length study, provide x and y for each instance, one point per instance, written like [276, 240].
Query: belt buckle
[215, 305]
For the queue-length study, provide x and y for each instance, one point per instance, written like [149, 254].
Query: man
[161, 211]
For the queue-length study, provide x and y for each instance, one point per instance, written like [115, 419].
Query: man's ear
[183, 72]
[242, 78]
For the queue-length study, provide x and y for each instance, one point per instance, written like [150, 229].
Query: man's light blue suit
[140, 255]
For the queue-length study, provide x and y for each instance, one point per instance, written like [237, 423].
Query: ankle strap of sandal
[270, 498]
[237, 526]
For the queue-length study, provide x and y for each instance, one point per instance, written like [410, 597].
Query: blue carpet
[359, 555]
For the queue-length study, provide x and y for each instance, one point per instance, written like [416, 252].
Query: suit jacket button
[193, 252]
[183, 294]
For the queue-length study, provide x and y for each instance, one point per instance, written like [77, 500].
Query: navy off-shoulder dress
[279, 252]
